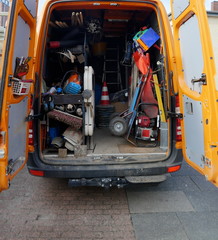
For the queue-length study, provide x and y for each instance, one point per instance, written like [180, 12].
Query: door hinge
[202, 79]
[206, 161]
[175, 115]
[14, 164]
[10, 166]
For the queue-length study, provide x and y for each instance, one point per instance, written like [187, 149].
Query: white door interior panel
[31, 6]
[191, 51]
[179, 7]
[21, 40]
[17, 133]
[194, 130]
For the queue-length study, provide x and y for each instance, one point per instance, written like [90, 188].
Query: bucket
[72, 88]
[53, 133]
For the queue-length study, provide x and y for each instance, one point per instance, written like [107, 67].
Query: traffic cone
[105, 96]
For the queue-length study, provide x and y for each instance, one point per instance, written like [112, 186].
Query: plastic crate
[146, 38]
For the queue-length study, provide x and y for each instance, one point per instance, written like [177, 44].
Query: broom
[74, 121]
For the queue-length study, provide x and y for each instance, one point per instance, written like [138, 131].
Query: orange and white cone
[105, 96]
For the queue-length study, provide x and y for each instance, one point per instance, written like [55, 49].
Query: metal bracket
[175, 115]
[33, 117]
[10, 80]
[202, 80]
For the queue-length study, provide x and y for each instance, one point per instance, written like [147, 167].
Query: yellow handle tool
[159, 99]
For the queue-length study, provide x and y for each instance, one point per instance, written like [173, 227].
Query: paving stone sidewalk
[185, 207]
[44, 209]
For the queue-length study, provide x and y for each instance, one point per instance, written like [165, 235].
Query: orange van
[103, 94]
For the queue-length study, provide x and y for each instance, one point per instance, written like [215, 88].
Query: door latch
[33, 117]
[202, 79]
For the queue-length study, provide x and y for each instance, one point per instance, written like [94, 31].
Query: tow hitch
[98, 182]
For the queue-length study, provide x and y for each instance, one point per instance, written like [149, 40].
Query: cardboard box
[120, 106]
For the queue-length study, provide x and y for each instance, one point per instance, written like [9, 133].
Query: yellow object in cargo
[159, 99]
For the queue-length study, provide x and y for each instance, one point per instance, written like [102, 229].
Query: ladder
[111, 69]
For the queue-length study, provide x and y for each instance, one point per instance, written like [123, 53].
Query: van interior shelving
[103, 41]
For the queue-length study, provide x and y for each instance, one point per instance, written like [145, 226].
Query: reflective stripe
[104, 98]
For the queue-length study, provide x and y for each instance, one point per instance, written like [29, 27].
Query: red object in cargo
[151, 110]
[142, 61]
[54, 44]
[146, 133]
[144, 121]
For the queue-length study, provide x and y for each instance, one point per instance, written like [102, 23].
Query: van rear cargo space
[103, 90]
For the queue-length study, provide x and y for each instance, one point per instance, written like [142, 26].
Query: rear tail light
[36, 173]
[173, 169]
[2, 137]
[31, 140]
[2, 142]
[31, 133]
[178, 122]
[178, 130]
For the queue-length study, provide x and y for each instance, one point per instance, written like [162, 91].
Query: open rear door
[17, 75]
[198, 87]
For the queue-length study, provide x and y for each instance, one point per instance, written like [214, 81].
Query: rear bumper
[102, 171]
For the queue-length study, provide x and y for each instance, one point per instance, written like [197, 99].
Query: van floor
[105, 143]
[108, 149]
